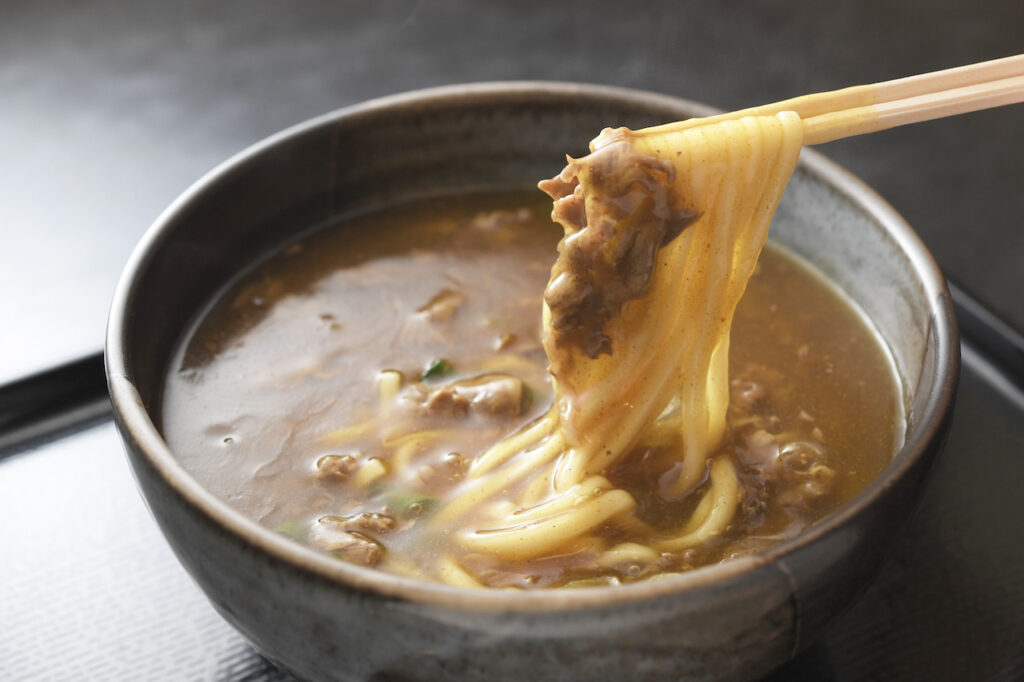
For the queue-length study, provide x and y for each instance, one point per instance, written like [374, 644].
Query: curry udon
[342, 391]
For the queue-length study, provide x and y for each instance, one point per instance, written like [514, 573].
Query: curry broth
[274, 400]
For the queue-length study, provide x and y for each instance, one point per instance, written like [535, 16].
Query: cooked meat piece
[814, 483]
[365, 522]
[753, 504]
[759, 451]
[486, 394]
[799, 470]
[345, 544]
[613, 235]
[335, 467]
[446, 401]
[805, 472]
[494, 393]
[799, 457]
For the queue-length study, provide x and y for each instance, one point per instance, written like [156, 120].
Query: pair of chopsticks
[863, 109]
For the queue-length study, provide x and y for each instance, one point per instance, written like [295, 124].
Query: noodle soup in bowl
[332, 604]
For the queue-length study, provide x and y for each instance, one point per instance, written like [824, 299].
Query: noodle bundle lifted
[662, 233]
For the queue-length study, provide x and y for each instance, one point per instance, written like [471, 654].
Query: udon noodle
[662, 233]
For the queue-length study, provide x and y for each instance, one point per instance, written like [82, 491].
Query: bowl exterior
[322, 620]
[322, 630]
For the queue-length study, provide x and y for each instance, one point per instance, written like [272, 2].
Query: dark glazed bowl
[325, 619]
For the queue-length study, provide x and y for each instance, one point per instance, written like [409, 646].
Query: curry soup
[339, 392]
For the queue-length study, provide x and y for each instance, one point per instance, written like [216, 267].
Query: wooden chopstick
[889, 114]
[869, 108]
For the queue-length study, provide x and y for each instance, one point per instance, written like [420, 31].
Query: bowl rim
[138, 429]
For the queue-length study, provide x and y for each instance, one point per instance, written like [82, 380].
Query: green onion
[436, 370]
[409, 505]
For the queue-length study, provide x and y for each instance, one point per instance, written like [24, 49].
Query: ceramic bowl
[324, 619]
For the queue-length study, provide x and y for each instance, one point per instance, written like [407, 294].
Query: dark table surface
[108, 110]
